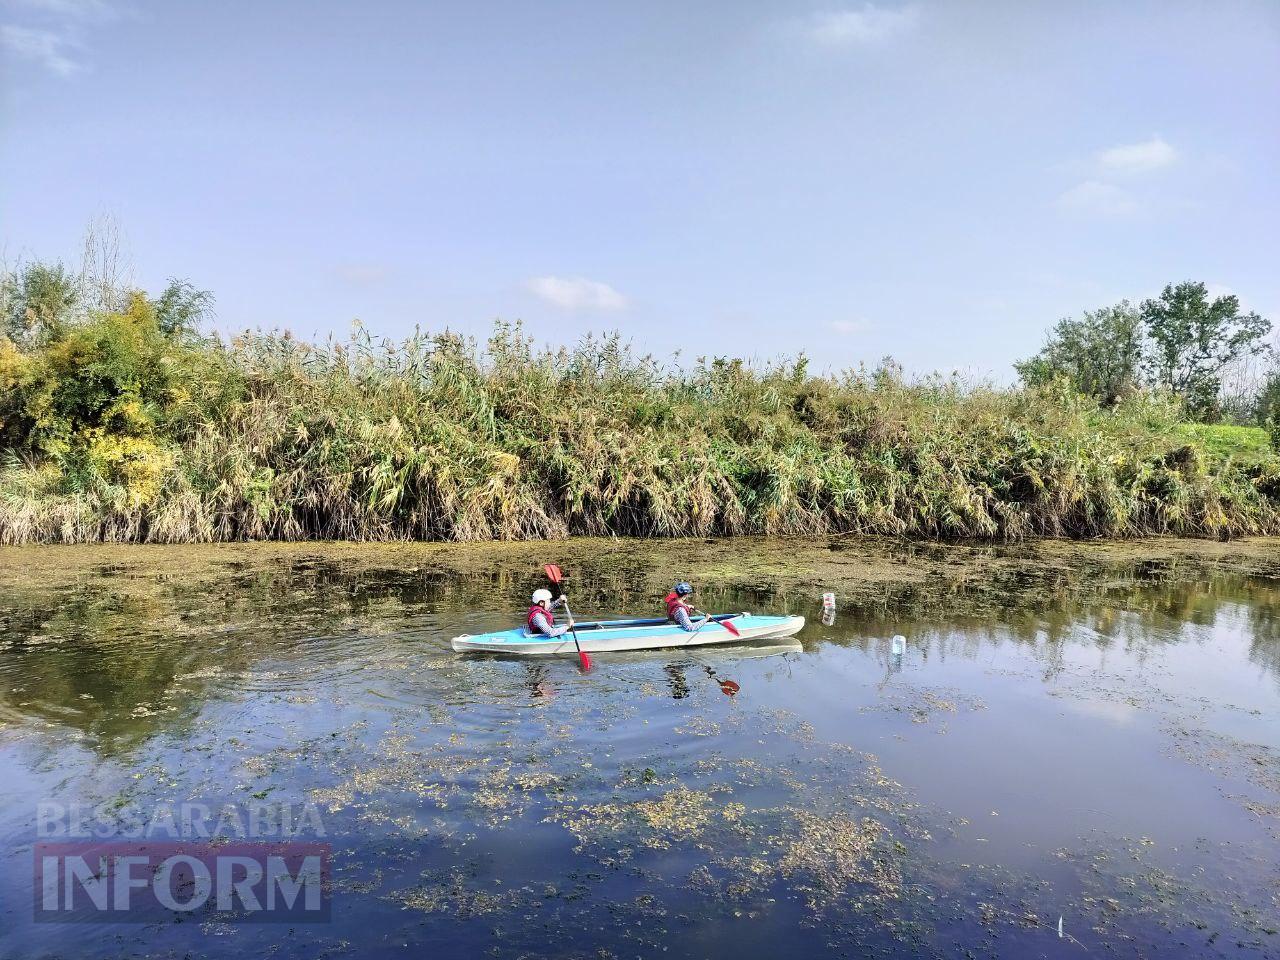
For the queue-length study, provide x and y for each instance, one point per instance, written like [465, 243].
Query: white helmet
[540, 595]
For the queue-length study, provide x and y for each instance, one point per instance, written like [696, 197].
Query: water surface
[1088, 737]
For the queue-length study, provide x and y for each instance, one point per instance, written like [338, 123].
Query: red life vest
[533, 611]
[674, 603]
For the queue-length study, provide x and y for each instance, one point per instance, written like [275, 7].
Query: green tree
[114, 374]
[1267, 408]
[36, 302]
[1192, 338]
[1100, 354]
[180, 308]
[1268, 405]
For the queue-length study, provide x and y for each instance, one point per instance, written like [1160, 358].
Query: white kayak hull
[611, 636]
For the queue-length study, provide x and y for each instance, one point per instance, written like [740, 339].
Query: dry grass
[436, 438]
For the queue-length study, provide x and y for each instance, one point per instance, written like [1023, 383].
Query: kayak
[604, 636]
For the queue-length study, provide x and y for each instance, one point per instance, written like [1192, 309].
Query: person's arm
[563, 601]
[547, 627]
[682, 618]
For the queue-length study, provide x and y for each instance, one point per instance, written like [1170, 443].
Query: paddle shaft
[707, 619]
[573, 629]
[556, 576]
[724, 623]
[583, 660]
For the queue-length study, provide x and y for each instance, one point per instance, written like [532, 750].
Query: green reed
[442, 438]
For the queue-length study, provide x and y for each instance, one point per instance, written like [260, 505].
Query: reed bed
[133, 436]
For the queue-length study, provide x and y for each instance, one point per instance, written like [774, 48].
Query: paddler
[542, 619]
[678, 609]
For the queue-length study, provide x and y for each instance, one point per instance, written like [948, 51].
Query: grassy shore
[118, 430]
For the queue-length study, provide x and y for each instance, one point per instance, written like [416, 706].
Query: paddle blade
[553, 572]
[731, 628]
[729, 687]
[584, 660]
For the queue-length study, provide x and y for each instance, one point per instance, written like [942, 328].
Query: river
[1077, 753]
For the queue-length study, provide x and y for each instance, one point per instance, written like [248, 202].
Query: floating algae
[457, 898]
[677, 815]
[428, 774]
[827, 854]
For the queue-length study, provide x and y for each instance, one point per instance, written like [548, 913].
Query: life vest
[533, 612]
[674, 603]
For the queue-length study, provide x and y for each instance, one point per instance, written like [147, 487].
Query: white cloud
[50, 32]
[1093, 198]
[41, 46]
[577, 293]
[870, 24]
[849, 327]
[1137, 157]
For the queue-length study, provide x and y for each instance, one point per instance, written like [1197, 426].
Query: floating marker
[899, 645]
[828, 601]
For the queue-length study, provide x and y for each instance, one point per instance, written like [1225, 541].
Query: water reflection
[676, 680]
[539, 681]
[122, 653]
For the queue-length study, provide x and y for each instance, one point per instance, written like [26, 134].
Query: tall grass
[440, 438]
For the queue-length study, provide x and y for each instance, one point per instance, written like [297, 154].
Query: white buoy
[828, 601]
[899, 645]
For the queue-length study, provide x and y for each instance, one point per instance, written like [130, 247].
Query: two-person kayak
[645, 634]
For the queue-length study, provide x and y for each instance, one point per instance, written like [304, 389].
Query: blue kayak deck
[636, 634]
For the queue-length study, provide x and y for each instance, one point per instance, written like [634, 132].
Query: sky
[939, 181]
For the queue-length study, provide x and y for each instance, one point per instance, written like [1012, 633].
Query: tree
[1100, 354]
[1267, 407]
[36, 301]
[1192, 338]
[180, 308]
[112, 375]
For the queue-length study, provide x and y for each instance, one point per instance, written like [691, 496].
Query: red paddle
[555, 575]
[724, 623]
[729, 688]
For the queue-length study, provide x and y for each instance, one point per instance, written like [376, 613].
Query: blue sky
[939, 181]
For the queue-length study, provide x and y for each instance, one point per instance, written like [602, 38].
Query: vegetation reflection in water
[845, 799]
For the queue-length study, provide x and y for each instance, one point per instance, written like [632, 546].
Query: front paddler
[542, 618]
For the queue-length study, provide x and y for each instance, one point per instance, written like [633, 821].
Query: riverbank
[116, 431]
